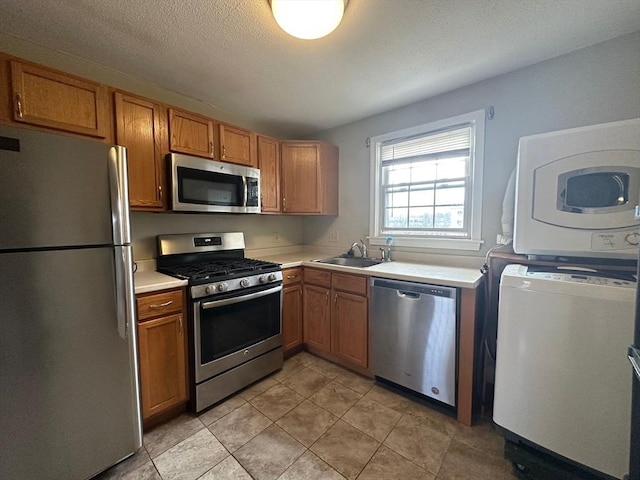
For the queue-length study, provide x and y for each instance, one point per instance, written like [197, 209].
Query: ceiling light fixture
[308, 19]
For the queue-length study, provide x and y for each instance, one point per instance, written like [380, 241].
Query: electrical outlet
[275, 237]
[334, 236]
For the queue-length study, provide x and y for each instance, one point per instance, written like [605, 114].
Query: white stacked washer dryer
[562, 380]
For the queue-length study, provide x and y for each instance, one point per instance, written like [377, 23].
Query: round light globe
[308, 19]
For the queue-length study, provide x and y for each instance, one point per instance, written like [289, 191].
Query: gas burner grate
[221, 270]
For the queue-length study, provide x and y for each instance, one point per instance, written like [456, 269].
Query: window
[427, 184]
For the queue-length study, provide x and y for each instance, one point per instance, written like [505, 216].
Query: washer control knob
[633, 238]
[272, 277]
[222, 287]
[210, 289]
[263, 279]
[244, 283]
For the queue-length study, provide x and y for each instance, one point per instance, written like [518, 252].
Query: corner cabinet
[56, 100]
[162, 352]
[269, 165]
[309, 178]
[336, 317]
[141, 127]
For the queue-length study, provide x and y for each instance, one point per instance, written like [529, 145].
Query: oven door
[232, 330]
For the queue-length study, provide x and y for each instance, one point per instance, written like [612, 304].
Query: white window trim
[473, 243]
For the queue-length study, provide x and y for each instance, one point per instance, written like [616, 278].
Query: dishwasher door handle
[411, 295]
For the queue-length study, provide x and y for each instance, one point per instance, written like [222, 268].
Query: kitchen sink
[351, 261]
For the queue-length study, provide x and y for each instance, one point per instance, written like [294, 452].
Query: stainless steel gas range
[235, 317]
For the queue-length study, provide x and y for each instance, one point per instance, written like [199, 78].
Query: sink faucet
[360, 246]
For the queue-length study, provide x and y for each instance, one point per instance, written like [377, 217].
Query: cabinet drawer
[349, 283]
[291, 275]
[317, 277]
[156, 304]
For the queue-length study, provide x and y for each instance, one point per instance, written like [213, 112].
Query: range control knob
[244, 283]
[263, 279]
[633, 238]
[271, 277]
[222, 287]
[210, 289]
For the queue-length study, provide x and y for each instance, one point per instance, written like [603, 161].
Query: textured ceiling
[385, 54]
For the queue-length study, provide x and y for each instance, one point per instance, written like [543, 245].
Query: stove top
[217, 270]
[214, 264]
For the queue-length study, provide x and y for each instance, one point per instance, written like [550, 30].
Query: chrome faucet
[360, 246]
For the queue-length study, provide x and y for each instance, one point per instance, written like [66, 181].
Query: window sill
[431, 243]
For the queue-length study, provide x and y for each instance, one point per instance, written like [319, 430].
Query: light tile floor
[313, 420]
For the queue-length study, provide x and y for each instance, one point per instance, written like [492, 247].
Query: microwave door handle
[245, 191]
[243, 298]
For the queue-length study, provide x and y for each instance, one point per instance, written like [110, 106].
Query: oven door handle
[243, 298]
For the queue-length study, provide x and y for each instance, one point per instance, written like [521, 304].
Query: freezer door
[69, 407]
[55, 191]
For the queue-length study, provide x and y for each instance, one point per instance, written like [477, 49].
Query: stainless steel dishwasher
[413, 343]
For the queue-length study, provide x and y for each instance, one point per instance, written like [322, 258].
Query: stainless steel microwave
[202, 185]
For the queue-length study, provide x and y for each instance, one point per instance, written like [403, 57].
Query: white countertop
[151, 281]
[411, 272]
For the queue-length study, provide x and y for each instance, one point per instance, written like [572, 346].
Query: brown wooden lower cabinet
[162, 353]
[336, 316]
[292, 311]
[349, 327]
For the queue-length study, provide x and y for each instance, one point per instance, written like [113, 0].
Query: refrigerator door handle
[124, 289]
[119, 189]
[634, 358]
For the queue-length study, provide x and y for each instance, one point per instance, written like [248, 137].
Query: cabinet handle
[300, 291]
[160, 191]
[327, 297]
[224, 152]
[161, 305]
[19, 105]
[180, 325]
[284, 204]
[335, 298]
[289, 277]
[211, 149]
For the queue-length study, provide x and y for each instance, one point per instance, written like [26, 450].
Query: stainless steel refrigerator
[634, 358]
[69, 406]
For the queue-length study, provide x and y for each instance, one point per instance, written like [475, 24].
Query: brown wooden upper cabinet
[269, 165]
[191, 134]
[52, 99]
[141, 127]
[309, 177]
[236, 146]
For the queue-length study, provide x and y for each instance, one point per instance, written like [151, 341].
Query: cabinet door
[191, 134]
[316, 315]
[141, 127]
[349, 327]
[162, 363]
[269, 165]
[51, 99]
[301, 183]
[292, 316]
[237, 145]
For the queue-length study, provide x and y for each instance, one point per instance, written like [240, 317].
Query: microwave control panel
[620, 240]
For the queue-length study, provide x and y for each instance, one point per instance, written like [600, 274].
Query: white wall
[258, 229]
[598, 84]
